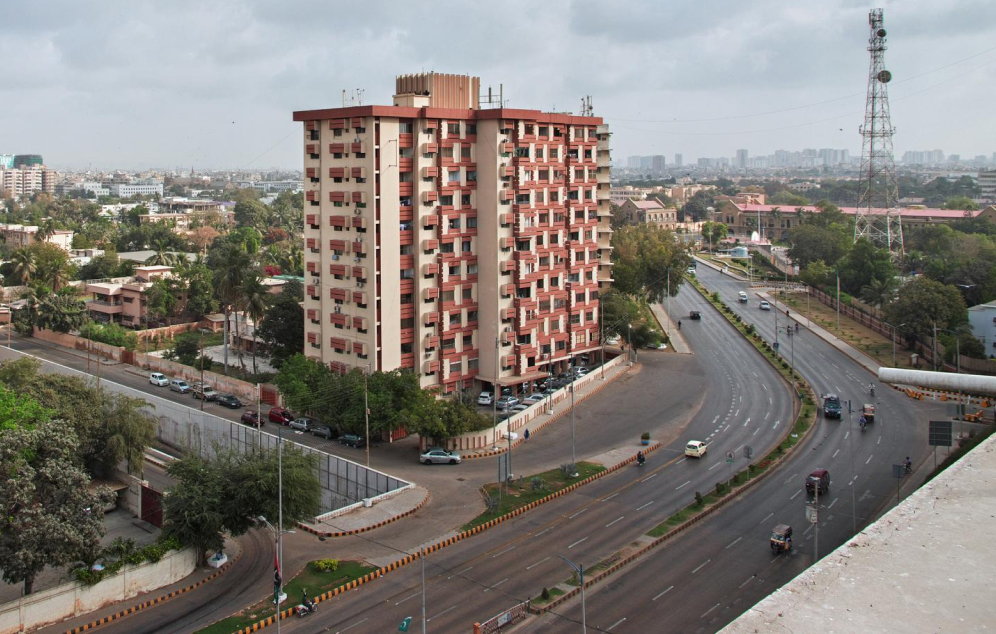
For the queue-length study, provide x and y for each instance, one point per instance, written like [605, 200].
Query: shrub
[720, 487]
[698, 499]
[645, 435]
[751, 468]
[537, 484]
[545, 594]
[326, 565]
[715, 296]
[736, 478]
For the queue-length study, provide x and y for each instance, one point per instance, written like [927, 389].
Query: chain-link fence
[343, 482]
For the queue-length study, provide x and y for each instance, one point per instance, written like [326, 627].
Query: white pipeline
[971, 383]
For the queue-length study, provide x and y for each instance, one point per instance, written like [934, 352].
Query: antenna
[877, 217]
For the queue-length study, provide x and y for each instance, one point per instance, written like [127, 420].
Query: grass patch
[316, 582]
[552, 593]
[523, 491]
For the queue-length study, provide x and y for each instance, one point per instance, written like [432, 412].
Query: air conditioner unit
[358, 211]
[356, 259]
[337, 310]
[335, 257]
[359, 284]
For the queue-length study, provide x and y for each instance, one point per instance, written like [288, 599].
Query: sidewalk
[678, 343]
[365, 519]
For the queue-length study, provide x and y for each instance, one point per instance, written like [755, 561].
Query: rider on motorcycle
[640, 458]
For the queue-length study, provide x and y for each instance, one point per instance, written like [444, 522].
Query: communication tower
[877, 217]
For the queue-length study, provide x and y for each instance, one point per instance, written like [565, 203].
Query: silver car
[438, 455]
[302, 424]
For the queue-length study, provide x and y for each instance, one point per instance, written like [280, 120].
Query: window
[471, 269]
[539, 154]
[337, 133]
[468, 292]
[522, 245]
[465, 200]
[522, 152]
[448, 344]
[455, 319]
[406, 249]
[544, 175]
[544, 131]
[471, 128]
[446, 152]
[471, 176]
[405, 177]
[453, 129]
[407, 298]
[454, 223]
[405, 128]
[407, 322]
[407, 274]
[471, 364]
[453, 177]
[530, 129]
[454, 269]
[472, 222]
[471, 316]
[406, 152]
[524, 293]
[456, 367]
[554, 153]
[446, 201]
[468, 341]
[465, 247]
[446, 247]
[405, 202]
[447, 296]
[407, 348]
[465, 152]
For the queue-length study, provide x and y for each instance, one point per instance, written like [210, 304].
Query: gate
[152, 506]
[269, 394]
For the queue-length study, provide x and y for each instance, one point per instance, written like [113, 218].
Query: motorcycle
[871, 388]
[306, 608]
[640, 461]
[862, 424]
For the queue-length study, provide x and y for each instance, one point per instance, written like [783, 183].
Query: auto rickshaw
[781, 538]
[868, 411]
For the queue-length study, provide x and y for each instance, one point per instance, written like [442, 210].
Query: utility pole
[280, 511]
[200, 342]
[366, 412]
[494, 401]
[601, 336]
[838, 304]
[574, 458]
[421, 555]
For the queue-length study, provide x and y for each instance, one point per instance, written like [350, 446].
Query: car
[690, 270]
[179, 385]
[324, 431]
[818, 481]
[695, 315]
[831, 406]
[229, 400]
[764, 305]
[695, 449]
[580, 371]
[280, 415]
[205, 392]
[521, 407]
[158, 379]
[486, 398]
[251, 418]
[351, 440]
[302, 424]
[549, 390]
[742, 297]
[507, 391]
[533, 398]
[507, 401]
[612, 341]
[438, 455]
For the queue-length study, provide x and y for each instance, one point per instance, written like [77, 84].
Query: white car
[612, 341]
[695, 449]
[533, 398]
[764, 305]
[485, 398]
[521, 407]
[158, 379]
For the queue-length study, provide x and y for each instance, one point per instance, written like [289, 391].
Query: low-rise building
[19, 236]
[82, 257]
[147, 187]
[650, 212]
[123, 300]
[983, 321]
[176, 220]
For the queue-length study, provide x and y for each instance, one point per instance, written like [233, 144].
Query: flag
[276, 572]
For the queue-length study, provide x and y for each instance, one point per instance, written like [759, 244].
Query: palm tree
[161, 255]
[878, 292]
[24, 266]
[233, 267]
[254, 302]
[45, 231]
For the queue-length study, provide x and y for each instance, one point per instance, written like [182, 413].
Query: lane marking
[835, 454]
[682, 460]
[851, 483]
[748, 423]
[737, 414]
[714, 466]
[701, 566]
[749, 579]
[669, 588]
[846, 434]
[443, 612]
[500, 582]
[610, 497]
[765, 387]
[578, 513]
[879, 441]
[790, 478]
[537, 563]
[714, 420]
[545, 530]
[614, 521]
[406, 598]
[704, 614]
[775, 426]
[734, 542]
[615, 624]
[687, 483]
[503, 552]
[766, 414]
[755, 431]
[457, 574]
[576, 543]
[766, 518]
[869, 459]
[829, 506]
[355, 624]
[640, 508]
[649, 477]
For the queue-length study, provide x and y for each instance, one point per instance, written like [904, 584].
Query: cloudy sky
[132, 85]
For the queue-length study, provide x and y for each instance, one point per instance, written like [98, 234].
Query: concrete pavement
[678, 343]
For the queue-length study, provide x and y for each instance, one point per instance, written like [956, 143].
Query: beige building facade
[123, 300]
[464, 244]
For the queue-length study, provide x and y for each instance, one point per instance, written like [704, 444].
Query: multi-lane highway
[745, 402]
[714, 572]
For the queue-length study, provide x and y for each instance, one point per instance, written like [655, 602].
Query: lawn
[529, 489]
[316, 583]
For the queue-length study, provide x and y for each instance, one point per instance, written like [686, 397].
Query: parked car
[486, 398]
[612, 341]
[690, 270]
[695, 315]
[229, 400]
[695, 449]
[438, 455]
[280, 415]
[580, 371]
[205, 392]
[521, 407]
[179, 385]
[550, 390]
[324, 431]
[533, 398]
[764, 305]
[507, 401]
[159, 379]
[302, 424]
[251, 418]
[818, 480]
[352, 440]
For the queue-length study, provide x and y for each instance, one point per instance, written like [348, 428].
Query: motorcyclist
[909, 465]
[679, 324]
[309, 604]
[871, 389]
[640, 458]
[862, 422]
[797, 327]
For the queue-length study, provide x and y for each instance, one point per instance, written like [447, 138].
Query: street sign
[940, 433]
[898, 471]
[775, 345]
[503, 472]
[812, 513]
[404, 624]
[730, 456]
[748, 451]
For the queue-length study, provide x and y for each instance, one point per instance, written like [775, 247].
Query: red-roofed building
[777, 220]
[650, 212]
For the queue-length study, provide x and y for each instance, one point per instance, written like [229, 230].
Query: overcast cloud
[133, 85]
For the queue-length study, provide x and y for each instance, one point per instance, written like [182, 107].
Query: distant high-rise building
[678, 163]
[987, 183]
[658, 165]
[633, 162]
[954, 158]
[646, 163]
[742, 159]
[27, 160]
[6, 161]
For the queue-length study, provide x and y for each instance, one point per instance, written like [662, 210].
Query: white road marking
[614, 521]
[706, 613]
[879, 441]
[755, 431]
[769, 401]
[576, 543]
[503, 552]
[701, 566]
[457, 574]
[537, 563]
[662, 593]
[775, 426]
[615, 624]
[443, 612]
[727, 427]
[714, 466]
[748, 422]
[796, 494]
[640, 508]
[651, 476]
[766, 414]
[835, 453]
[832, 503]
[869, 459]
[678, 487]
[766, 517]
[578, 513]
[714, 420]
[846, 434]
[765, 387]
[790, 478]
[851, 483]
[500, 582]
[355, 624]
[734, 542]
[737, 414]
[755, 373]
[409, 597]
[545, 530]
[749, 579]
[610, 497]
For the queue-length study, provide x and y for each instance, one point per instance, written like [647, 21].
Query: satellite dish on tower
[880, 33]
[885, 76]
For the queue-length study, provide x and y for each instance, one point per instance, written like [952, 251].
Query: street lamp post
[629, 342]
[894, 328]
[366, 411]
[580, 571]
[574, 458]
[278, 594]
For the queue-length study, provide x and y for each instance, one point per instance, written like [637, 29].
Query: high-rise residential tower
[462, 242]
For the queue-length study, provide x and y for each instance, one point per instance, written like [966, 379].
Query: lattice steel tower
[877, 215]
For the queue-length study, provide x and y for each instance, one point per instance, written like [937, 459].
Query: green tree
[252, 213]
[960, 202]
[24, 266]
[649, 261]
[789, 199]
[878, 292]
[186, 349]
[162, 255]
[231, 266]
[194, 510]
[282, 328]
[864, 263]
[199, 295]
[61, 313]
[922, 303]
[811, 242]
[255, 299]
[49, 515]
[163, 298]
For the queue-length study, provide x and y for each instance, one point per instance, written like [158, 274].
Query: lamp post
[629, 342]
[366, 412]
[580, 571]
[278, 587]
[574, 459]
[838, 304]
[894, 328]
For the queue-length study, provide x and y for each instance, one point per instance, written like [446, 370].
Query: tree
[252, 213]
[255, 299]
[203, 236]
[231, 265]
[24, 266]
[186, 349]
[789, 199]
[194, 510]
[61, 313]
[51, 262]
[811, 242]
[863, 264]
[161, 256]
[960, 202]
[618, 311]
[922, 303]
[48, 515]
[99, 267]
[163, 298]
[694, 210]
[649, 261]
[199, 295]
[282, 328]
[878, 292]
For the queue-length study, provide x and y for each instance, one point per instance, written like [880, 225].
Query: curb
[153, 602]
[449, 541]
[563, 411]
[357, 531]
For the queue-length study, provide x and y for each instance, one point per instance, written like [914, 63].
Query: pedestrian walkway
[365, 519]
[678, 343]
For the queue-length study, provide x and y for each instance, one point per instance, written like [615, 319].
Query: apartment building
[122, 300]
[463, 243]
[19, 236]
[26, 181]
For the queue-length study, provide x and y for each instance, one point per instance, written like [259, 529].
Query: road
[745, 403]
[714, 572]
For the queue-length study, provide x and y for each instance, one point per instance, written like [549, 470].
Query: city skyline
[100, 89]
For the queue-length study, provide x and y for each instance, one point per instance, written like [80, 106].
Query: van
[179, 385]
[818, 480]
[742, 297]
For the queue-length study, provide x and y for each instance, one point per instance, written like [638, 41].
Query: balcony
[430, 268]
[430, 172]
[430, 148]
[430, 293]
[508, 266]
[337, 172]
[312, 220]
[506, 243]
[360, 323]
[507, 290]
[337, 148]
[359, 222]
[312, 149]
[360, 272]
[430, 318]
[430, 245]
[430, 366]
[104, 306]
[430, 221]
[430, 196]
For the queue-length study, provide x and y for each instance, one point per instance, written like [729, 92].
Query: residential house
[123, 300]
